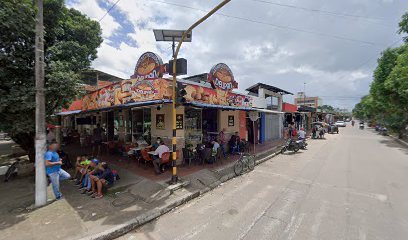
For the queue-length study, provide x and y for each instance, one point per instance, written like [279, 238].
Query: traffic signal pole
[174, 177]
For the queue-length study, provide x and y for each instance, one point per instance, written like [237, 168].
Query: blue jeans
[223, 150]
[55, 178]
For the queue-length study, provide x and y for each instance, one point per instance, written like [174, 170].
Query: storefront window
[192, 126]
[142, 122]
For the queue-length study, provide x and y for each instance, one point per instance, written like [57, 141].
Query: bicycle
[12, 170]
[245, 161]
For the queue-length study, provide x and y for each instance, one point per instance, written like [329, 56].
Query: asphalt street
[349, 186]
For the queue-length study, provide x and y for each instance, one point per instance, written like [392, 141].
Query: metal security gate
[272, 128]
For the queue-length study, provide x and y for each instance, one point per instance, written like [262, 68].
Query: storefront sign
[179, 121]
[216, 97]
[230, 120]
[146, 84]
[149, 67]
[160, 124]
[221, 77]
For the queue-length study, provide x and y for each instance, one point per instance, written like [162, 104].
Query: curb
[402, 142]
[121, 229]
[142, 219]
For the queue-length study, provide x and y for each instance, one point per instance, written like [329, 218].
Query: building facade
[303, 100]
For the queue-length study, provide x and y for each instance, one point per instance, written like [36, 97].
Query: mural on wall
[146, 84]
[223, 82]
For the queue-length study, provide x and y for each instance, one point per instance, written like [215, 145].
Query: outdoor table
[152, 153]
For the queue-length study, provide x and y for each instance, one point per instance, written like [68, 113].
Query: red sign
[221, 77]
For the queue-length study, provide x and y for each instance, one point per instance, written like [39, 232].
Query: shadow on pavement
[389, 142]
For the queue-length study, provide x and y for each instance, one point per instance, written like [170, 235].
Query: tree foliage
[71, 42]
[387, 102]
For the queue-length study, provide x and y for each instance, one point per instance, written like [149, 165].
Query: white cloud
[260, 53]
[92, 9]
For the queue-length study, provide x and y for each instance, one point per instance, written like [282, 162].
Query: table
[152, 153]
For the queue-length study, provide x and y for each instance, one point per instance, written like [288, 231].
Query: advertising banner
[146, 84]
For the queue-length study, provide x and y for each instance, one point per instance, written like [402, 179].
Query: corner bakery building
[140, 108]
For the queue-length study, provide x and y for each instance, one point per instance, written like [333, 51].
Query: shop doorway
[253, 129]
[141, 124]
[210, 126]
[110, 125]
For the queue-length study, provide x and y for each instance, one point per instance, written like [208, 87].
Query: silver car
[340, 124]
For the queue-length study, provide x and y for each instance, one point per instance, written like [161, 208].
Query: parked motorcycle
[291, 145]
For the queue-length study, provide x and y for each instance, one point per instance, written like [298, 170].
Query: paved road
[349, 186]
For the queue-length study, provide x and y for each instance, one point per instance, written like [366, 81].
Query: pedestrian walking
[53, 169]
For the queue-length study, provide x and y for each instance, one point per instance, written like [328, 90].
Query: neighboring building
[303, 100]
[271, 120]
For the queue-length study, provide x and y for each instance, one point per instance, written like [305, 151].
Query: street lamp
[163, 35]
[175, 53]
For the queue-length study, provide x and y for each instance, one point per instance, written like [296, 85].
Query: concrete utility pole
[40, 143]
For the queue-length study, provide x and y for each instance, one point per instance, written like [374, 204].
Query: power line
[106, 13]
[271, 24]
[320, 11]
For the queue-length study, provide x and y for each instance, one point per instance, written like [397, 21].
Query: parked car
[340, 124]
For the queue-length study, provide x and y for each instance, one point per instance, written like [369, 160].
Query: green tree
[326, 108]
[403, 26]
[71, 42]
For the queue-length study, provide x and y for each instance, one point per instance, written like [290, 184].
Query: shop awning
[266, 110]
[207, 105]
[68, 112]
[125, 105]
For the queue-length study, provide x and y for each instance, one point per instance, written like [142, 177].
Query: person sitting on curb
[53, 169]
[104, 179]
[81, 164]
[92, 170]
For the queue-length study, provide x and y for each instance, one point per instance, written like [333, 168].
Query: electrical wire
[320, 11]
[106, 13]
[269, 24]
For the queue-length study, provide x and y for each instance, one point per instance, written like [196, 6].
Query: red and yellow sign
[221, 77]
[146, 84]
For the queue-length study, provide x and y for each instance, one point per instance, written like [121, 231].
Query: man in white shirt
[302, 133]
[158, 155]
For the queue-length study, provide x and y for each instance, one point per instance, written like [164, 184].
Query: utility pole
[40, 179]
[174, 176]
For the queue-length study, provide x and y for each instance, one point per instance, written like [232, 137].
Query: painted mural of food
[146, 67]
[149, 67]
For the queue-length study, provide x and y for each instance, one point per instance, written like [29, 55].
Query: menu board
[179, 121]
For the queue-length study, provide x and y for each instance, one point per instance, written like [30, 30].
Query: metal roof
[255, 88]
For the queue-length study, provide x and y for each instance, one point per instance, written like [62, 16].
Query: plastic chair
[187, 156]
[218, 156]
[165, 158]
[145, 156]
[206, 155]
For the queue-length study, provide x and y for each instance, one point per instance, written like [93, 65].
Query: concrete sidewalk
[132, 202]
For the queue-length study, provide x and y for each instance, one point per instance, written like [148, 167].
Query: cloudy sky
[330, 45]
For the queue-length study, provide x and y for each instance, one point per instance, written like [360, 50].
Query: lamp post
[174, 177]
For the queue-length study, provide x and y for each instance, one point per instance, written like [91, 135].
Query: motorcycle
[290, 145]
[302, 143]
[361, 126]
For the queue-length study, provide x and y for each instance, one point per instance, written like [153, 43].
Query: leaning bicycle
[245, 162]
